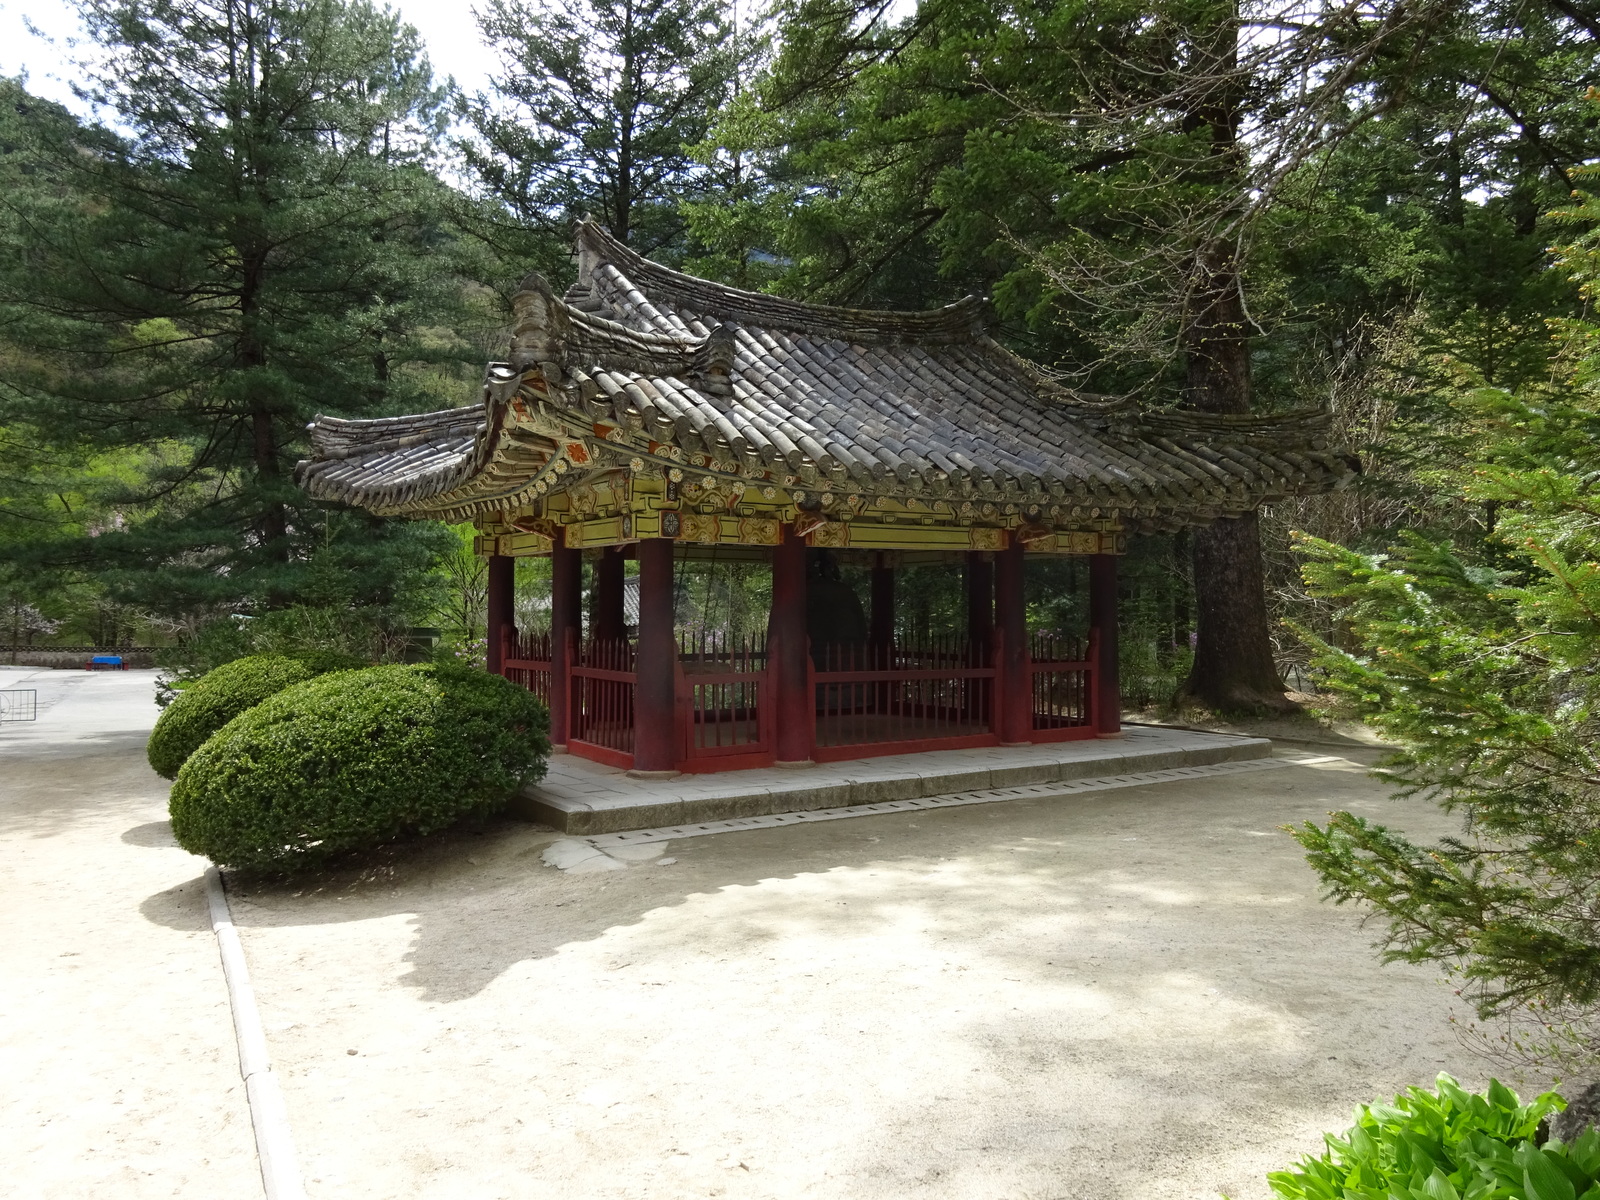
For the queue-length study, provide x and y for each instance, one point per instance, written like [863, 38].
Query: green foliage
[1014, 148]
[464, 578]
[197, 652]
[220, 695]
[1154, 613]
[720, 596]
[344, 610]
[1150, 671]
[1477, 658]
[261, 238]
[355, 759]
[366, 635]
[594, 112]
[1448, 1145]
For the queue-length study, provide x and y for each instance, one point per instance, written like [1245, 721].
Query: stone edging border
[1034, 791]
[280, 1172]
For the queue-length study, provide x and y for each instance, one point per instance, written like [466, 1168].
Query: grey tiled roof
[776, 391]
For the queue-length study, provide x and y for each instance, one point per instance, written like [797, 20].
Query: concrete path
[118, 1076]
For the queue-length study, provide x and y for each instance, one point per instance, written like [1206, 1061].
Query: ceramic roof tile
[896, 400]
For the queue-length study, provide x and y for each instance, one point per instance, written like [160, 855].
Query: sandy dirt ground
[118, 1074]
[1132, 994]
[1128, 994]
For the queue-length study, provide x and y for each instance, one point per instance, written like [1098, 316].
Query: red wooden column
[1014, 703]
[566, 628]
[788, 654]
[609, 622]
[1103, 620]
[654, 696]
[501, 598]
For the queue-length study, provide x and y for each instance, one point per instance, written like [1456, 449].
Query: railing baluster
[727, 672]
[1060, 680]
[927, 689]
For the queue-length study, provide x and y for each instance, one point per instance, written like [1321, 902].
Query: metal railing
[19, 704]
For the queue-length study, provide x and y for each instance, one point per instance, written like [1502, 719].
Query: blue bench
[106, 662]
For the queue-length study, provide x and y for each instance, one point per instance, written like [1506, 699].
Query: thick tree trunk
[273, 521]
[1233, 665]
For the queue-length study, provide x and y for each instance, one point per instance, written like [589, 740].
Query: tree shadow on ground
[482, 900]
[1085, 996]
[181, 907]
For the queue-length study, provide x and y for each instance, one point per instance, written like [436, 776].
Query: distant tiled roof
[640, 365]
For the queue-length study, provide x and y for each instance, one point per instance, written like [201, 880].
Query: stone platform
[581, 797]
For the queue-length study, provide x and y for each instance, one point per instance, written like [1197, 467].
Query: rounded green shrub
[356, 759]
[224, 692]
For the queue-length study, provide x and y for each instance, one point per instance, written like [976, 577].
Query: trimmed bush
[224, 692]
[1449, 1145]
[356, 759]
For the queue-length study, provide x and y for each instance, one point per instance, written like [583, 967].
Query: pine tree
[259, 241]
[598, 114]
[42, 487]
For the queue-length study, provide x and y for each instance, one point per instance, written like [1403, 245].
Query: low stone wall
[72, 658]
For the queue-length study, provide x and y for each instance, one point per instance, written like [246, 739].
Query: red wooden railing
[722, 692]
[1061, 672]
[873, 699]
[869, 699]
[526, 660]
[601, 707]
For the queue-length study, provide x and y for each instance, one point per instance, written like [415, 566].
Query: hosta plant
[1449, 1144]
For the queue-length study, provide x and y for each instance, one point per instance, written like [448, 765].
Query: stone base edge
[583, 822]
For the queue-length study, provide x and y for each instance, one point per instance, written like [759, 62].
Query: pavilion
[654, 416]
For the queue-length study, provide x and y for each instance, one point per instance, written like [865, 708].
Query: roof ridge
[549, 330]
[964, 320]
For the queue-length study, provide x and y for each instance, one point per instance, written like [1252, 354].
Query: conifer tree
[258, 241]
[597, 114]
[1478, 658]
